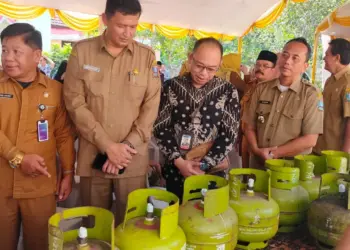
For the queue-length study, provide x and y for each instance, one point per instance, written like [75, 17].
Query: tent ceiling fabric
[232, 17]
[338, 22]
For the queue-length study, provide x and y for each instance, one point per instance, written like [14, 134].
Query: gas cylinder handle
[216, 199]
[137, 207]
[261, 183]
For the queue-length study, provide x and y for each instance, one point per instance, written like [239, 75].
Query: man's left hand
[267, 153]
[65, 187]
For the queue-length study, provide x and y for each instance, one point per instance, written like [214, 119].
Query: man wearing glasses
[197, 110]
[285, 115]
[264, 70]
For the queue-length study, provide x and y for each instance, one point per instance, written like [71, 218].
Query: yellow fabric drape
[29, 12]
[176, 32]
[79, 23]
[171, 32]
[332, 18]
[20, 12]
[145, 26]
[271, 17]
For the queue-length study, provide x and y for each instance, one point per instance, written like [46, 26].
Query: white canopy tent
[231, 17]
[337, 24]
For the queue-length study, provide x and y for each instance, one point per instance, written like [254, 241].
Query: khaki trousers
[98, 192]
[34, 215]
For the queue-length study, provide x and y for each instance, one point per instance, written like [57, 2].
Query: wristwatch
[128, 143]
[17, 160]
[203, 166]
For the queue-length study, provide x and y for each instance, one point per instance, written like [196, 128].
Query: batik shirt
[218, 114]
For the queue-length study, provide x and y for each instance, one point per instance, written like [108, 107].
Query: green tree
[298, 19]
[58, 54]
[173, 52]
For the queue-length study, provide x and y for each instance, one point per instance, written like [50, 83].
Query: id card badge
[43, 130]
[186, 141]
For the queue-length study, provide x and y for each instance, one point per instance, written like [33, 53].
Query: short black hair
[340, 46]
[31, 36]
[208, 40]
[126, 7]
[60, 71]
[302, 40]
[159, 63]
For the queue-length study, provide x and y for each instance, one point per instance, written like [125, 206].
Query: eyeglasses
[263, 66]
[199, 67]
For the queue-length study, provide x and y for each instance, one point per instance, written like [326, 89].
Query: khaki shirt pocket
[93, 82]
[136, 88]
[292, 122]
[262, 115]
[335, 104]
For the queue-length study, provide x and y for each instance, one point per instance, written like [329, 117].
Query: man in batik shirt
[197, 109]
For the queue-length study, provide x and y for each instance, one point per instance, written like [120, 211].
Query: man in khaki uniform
[112, 93]
[336, 135]
[264, 70]
[285, 115]
[34, 125]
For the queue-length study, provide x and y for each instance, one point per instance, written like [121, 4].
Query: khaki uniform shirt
[19, 114]
[337, 108]
[280, 117]
[248, 95]
[112, 99]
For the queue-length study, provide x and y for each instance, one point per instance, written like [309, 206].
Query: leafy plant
[58, 54]
[298, 19]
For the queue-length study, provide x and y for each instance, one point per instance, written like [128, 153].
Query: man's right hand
[120, 154]
[244, 69]
[264, 153]
[188, 168]
[34, 165]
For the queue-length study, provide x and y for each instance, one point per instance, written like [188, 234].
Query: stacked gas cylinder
[216, 214]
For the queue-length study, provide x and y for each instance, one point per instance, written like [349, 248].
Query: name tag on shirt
[43, 130]
[91, 68]
[3, 95]
[264, 102]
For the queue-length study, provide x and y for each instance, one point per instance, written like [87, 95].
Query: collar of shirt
[40, 78]
[338, 75]
[103, 44]
[188, 79]
[296, 85]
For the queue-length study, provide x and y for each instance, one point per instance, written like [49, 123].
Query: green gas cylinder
[291, 197]
[258, 213]
[337, 161]
[100, 237]
[329, 216]
[205, 215]
[311, 168]
[148, 227]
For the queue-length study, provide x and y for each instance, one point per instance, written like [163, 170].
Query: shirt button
[281, 96]
[278, 111]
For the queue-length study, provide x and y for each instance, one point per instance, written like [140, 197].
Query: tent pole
[314, 60]
[240, 45]
[101, 27]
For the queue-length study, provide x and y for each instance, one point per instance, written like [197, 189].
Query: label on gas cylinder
[220, 247]
[190, 247]
[194, 247]
[255, 230]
